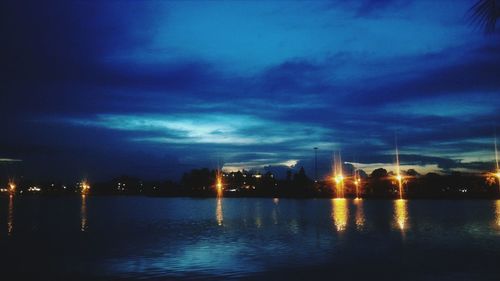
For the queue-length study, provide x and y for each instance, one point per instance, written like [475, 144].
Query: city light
[12, 187]
[357, 183]
[34, 189]
[85, 187]
[218, 183]
[339, 179]
[338, 175]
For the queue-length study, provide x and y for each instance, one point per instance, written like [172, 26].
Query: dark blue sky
[101, 88]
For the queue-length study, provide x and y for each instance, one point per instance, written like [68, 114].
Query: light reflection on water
[83, 214]
[360, 215]
[10, 216]
[401, 214]
[162, 238]
[340, 213]
[219, 215]
[497, 213]
[258, 214]
[275, 212]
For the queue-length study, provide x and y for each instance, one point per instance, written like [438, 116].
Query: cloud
[474, 73]
[369, 8]
[10, 160]
[206, 128]
[258, 84]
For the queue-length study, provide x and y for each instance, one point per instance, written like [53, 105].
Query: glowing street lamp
[12, 187]
[357, 183]
[218, 183]
[338, 176]
[339, 179]
[85, 187]
[399, 178]
[339, 185]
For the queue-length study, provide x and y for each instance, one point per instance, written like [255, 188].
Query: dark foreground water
[132, 238]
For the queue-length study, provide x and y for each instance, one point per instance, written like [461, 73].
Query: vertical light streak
[338, 176]
[340, 213]
[497, 213]
[10, 216]
[399, 177]
[83, 214]
[401, 214]
[219, 216]
[219, 183]
[12, 187]
[360, 215]
[274, 214]
[357, 183]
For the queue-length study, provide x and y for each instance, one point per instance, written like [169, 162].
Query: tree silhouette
[380, 184]
[379, 173]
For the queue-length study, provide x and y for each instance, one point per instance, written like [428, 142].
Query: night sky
[152, 89]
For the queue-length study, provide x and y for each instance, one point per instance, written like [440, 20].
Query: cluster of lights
[85, 187]
[34, 189]
[121, 186]
[338, 179]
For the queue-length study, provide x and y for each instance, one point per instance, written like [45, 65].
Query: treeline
[201, 183]
[379, 184]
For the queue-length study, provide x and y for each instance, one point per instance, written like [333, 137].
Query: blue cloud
[177, 85]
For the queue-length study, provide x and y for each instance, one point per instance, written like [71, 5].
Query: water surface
[134, 238]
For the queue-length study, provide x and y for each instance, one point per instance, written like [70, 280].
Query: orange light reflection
[10, 216]
[218, 212]
[360, 215]
[83, 214]
[401, 214]
[340, 213]
[497, 213]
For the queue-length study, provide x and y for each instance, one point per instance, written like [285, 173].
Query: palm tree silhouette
[485, 14]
